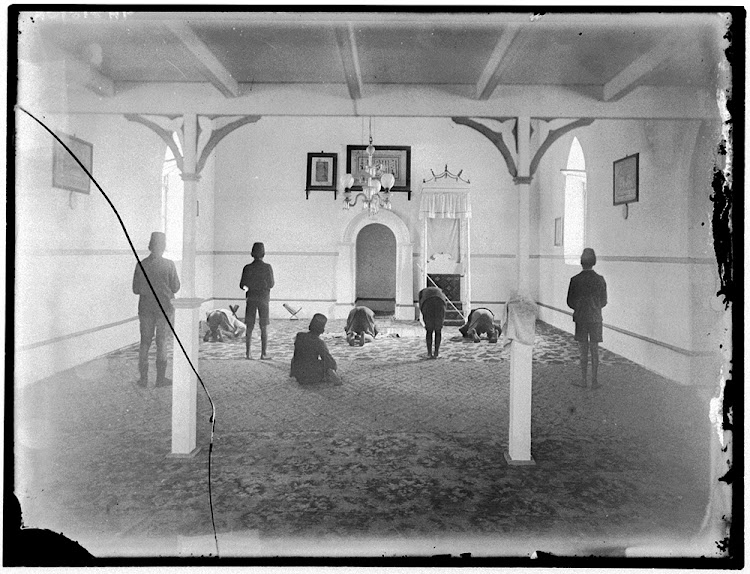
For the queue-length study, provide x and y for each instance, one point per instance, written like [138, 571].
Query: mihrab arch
[346, 267]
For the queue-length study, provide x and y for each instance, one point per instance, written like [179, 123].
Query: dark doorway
[376, 269]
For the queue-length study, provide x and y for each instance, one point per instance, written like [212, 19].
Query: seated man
[432, 303]
[360, 326]
[480, 322]
[224, 322]
[312, 363]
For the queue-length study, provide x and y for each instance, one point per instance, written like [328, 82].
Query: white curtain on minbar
[443, 212]
[445, 205]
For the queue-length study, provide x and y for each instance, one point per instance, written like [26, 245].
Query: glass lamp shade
[376, 186]
[347, 180]
[387, 180]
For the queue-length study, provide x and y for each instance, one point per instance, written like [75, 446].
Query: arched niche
[347, 264]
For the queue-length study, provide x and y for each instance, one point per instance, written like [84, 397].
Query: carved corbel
[508, 155]
[210, 131]
[496, 138]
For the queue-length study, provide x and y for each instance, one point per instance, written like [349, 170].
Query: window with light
[574, 214]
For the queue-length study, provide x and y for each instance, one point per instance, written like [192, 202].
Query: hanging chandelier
[373, 180]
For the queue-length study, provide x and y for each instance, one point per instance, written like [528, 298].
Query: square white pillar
[519, 325]
[519, 431]
[184, 381]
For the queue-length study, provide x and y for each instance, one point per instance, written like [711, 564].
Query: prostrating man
[224, 323]
[312, 362]
[360, 326]
[432, 303]
[587, 294]
[257, 280]
[480, 322]
[162, 276]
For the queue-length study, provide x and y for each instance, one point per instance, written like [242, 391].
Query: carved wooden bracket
[553, 136]
[164, 127]
[219, 133]
[211, 130]
[497, 139]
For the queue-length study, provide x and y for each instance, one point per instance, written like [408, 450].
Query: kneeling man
[360, 326]
[224, 322]
[480, 322]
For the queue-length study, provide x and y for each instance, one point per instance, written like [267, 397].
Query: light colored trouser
[149, 324]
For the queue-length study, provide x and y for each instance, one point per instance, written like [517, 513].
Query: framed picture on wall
[66, 173]
[625, 180]
[321, 173]
[391, 159]
[558, 231]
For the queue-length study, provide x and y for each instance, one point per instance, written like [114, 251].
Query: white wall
[647, 259]
[260, 183]
[74, 267]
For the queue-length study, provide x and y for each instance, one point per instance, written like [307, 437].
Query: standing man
[432, 303]
[257, 281]
[587, 294]
[162, 274]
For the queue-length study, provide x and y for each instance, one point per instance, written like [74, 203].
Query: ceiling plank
[89, 77]
[347, 44]
[218, 75]
[627, 79]
[496, 65]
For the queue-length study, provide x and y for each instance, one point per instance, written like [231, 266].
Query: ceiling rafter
[627, 79]
[347, 43]
[497, 63]
[217, 73]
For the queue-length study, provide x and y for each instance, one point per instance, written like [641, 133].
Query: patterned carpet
[397, 341]
[405, 458]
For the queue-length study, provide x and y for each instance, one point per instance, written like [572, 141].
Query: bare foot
[248, 357]
[265, 357]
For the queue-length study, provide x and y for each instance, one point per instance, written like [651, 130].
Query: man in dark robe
[312, 363]
[432, 303]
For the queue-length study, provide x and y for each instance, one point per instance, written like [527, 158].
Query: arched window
[574, 215]
[172, 193]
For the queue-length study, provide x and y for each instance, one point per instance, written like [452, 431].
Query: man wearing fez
[587, 294]
[154, 306]
[257, 281]
[312, 362]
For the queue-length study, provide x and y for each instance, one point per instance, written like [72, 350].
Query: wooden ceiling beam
[215, 71]
[347, 43]
[497, 64]
[627, 79]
